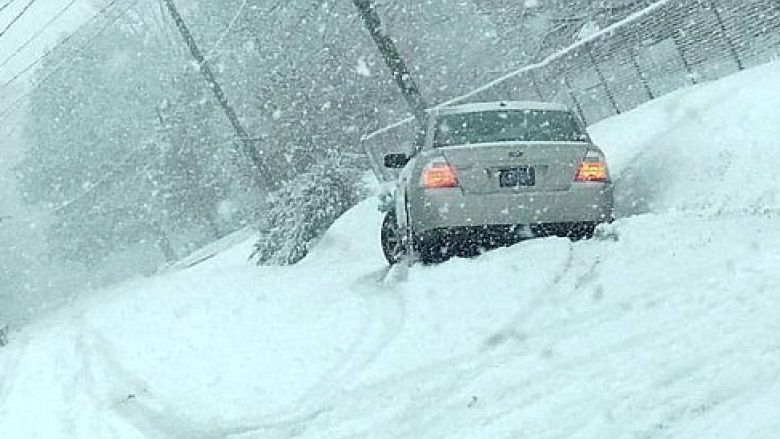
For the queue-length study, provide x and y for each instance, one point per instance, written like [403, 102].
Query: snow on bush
[304, 208]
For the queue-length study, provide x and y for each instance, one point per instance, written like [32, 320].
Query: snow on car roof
[502, 105]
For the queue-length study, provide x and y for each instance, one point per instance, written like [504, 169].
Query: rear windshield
[507, 126]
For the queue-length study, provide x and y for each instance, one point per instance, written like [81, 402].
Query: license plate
[517, 177]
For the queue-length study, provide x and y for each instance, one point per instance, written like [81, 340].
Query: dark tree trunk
[165, 246]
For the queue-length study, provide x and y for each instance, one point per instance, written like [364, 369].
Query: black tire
[582, 232]
[433, 249]
[393, 245]
[431, 254]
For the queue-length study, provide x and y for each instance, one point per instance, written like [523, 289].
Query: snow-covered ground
[666, 325]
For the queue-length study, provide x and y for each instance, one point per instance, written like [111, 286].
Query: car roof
[502, 105]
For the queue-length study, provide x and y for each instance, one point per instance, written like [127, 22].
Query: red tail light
[439, 174]
[593, 168]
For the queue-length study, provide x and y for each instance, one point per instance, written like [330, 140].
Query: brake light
[439, 174]
[593, 168]
[592, 172]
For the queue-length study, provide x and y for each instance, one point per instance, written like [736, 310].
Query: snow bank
[664, 326]
[714, 148]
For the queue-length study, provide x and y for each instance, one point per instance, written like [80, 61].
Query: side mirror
[396, 161]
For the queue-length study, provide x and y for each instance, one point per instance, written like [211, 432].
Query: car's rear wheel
[579, 232]
[393, 244]
[434, 248]
[573, 231]
[432, 253]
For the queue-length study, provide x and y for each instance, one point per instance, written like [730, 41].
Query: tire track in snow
[462, 369]
[130, 398]
[469, 369]
[53, 386]
[512, 329]
[465, 373]
[550, 379]
[382, 321]
[385, 313]
[132, 401]
[700, 366]
[379, 292]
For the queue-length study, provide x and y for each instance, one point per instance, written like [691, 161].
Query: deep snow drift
[663, 326]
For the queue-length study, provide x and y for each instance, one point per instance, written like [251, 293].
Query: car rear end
[500, 174]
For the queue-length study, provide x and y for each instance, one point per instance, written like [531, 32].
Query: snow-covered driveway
[666, 325]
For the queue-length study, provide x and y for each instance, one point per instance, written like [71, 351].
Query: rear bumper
[590, 203]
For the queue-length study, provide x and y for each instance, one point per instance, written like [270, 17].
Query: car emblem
[516, 154]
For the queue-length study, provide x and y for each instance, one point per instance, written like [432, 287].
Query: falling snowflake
[362, 68]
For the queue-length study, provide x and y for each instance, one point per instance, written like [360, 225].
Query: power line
[531, 67]
[2, 8]
[50, 51]
[56, 69]
[227, 30]
[103, 180]
[393, 59]
[38, 33]
[18, 16]
[261, 172]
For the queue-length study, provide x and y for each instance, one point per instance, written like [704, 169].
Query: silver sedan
[490, 174]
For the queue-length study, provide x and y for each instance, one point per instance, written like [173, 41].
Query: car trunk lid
[515, 166]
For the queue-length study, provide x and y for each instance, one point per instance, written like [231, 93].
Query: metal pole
[261, 170]
[535, 85]
[642, 77]
[573, 98]
[686, 64]
[602, 78]
[393, 60]
[725, 33]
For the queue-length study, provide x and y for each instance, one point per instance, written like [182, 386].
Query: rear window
[507, 126]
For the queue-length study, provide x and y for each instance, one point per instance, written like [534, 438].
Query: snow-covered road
[665, 325]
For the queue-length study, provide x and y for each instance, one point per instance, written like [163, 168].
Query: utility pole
[261, 172]
[393, 60]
